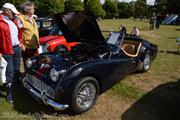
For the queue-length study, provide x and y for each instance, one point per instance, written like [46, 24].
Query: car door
[122, 66]
[116, 69]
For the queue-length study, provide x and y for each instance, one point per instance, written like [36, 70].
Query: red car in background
[55, 41]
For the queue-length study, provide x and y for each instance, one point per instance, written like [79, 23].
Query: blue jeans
[13, 66]
[17, 58]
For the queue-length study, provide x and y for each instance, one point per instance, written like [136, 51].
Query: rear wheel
[84, 94]
[145, 65]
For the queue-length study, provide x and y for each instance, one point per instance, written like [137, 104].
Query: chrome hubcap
[86, 95]
[147, 62]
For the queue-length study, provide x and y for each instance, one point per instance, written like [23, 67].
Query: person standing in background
[157, 21]
[30, 35]
[10, 45]
[151, 21]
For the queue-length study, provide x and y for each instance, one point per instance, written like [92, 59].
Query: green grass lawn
[165, 69]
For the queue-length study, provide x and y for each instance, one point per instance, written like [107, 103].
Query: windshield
[55, 30]
[47, 23]
[44, 23]
[116, 38]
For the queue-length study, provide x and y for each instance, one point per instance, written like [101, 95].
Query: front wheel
[84, 94]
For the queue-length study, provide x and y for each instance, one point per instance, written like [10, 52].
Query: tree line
[110, 9]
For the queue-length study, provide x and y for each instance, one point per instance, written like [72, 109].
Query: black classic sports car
[74, 79]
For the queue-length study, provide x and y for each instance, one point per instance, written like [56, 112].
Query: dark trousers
[157, 24]
[151, 26]
[9, 68]
[13, 64]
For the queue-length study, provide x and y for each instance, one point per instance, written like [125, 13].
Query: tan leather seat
[129, 48]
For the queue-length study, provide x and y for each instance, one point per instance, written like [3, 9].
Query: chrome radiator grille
[41, 86]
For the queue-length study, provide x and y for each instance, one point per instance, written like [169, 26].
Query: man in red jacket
[10, 44]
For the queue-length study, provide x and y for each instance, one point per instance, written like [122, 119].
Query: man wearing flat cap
[10, 44]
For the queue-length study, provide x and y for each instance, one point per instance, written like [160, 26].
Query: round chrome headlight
[54, 74]
[29, 63]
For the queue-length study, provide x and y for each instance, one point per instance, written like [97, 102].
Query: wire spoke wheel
[147, 62]
[85, 94]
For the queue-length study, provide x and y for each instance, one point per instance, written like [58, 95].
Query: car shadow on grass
[162, 103]
[25, 104]
[174, 38]
[173, 52]
[177, 29]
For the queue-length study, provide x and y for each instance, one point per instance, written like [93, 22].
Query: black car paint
[121, 65]
[108, 71]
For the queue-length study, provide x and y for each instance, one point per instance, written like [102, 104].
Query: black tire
[60, 49]
[145, 65]
[78, 104]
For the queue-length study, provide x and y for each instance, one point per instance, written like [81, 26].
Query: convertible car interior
[131, 48]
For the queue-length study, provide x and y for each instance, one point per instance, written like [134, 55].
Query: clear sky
[150, 2]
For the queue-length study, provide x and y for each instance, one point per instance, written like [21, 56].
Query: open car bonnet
[80, 27]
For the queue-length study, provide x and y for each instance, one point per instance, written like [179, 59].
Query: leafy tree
[49, 7]
[161, 6]
[132, 8]
[167, 6]
[111, 9]
[141, 8]
[85, 4]
[72, 5]
[55, 6]
[95, 7]
[173, 6]
[17, 3]
[124, 10]
[3, 1]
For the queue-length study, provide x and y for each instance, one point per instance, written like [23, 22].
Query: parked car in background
[171, 20]
[44, 26]
[76, 78]
[55, 41]
[176, 21]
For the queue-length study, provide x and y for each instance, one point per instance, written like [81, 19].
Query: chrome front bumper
[43, 97]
